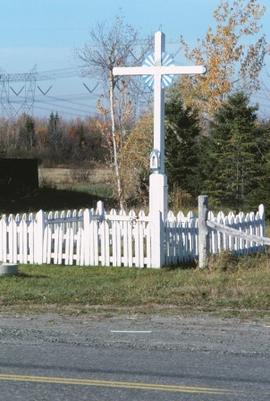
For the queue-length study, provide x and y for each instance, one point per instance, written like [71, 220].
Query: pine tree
[262, 193]
[182, 144]
[27, 135]
[54, 130]
[233, 154]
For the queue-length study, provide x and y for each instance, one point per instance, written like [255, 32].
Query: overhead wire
[66, 106]
[58, 99]
[69, 113]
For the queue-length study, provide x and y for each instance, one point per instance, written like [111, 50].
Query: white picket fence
[181, 235]
[249, 223]
[83, 237]
[93, 237]
[181, 238]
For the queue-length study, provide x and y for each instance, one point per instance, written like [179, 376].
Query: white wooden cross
[158, 71]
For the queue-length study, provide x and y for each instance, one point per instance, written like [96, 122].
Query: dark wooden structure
[18, 175]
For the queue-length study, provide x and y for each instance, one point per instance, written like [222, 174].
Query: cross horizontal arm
[132, 70]
[159, 69]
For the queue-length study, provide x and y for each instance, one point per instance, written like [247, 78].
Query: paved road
[49, 357]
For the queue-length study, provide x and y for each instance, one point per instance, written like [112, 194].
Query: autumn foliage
[233, 51]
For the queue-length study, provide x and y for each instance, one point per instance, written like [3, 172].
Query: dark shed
[18, 175]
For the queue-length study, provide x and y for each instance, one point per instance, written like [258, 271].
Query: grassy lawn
[232, 287]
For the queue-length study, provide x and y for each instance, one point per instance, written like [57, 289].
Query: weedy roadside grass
[232, 286]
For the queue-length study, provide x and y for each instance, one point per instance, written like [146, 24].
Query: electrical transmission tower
[14, 99]
[18, 91]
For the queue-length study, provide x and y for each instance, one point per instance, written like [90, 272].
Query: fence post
[39, 226]
[203, 232]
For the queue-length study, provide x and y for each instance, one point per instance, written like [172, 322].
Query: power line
[69, 113]
[66, 106]
[68, 101]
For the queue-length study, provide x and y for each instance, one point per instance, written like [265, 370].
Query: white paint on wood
[127, 239]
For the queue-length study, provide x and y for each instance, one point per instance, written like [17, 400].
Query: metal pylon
[17, 100]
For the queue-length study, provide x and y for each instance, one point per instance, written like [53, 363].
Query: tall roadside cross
[158, 72]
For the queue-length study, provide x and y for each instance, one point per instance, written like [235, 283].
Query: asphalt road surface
[97, 358]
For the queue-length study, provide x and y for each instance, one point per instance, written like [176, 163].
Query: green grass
[233, 286]
[100, 190]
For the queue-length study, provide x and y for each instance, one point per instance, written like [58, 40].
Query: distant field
[64, 178]
[97, 182]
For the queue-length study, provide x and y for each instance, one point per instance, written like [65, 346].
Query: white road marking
[132, 331]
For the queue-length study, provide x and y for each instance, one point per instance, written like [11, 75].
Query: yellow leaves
[101, 109]
[134, 156]
[226, 31]
[225, 52]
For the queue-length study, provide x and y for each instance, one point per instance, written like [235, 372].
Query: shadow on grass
[50, 199]
[184, 266]
[30, 276]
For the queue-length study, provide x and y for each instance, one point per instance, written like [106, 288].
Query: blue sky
[46, 33]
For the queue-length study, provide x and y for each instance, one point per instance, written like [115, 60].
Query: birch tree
[112, 46]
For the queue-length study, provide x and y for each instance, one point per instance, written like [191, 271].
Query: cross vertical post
[159, 140]
[158, 187]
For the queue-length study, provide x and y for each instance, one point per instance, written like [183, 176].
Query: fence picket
[113, 238]
[237, 240]
[95, 226]
[230, 237]
[131, 216]
[118, 243]
[20, 255]
[148, 245]
[141, 222]
[125, 238]
[91, 245]
[80, 254]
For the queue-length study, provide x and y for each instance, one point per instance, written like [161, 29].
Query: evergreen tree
[27, 135]
[182, 144]
[54, 130]
[262, 193]
[233, 154]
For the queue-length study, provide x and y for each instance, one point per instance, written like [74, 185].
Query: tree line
[54, 140]
[229, 161]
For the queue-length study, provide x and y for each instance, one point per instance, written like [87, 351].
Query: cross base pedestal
[158, 201]
[158, 194]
